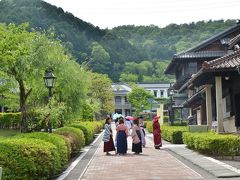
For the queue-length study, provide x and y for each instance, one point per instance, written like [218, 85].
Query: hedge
[10, 120]
[213, 144]
[172, 134]
[24, 158]
[89, 129]
[55, 139]
[74, 136]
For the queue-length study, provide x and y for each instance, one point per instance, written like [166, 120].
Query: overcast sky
[111, 13]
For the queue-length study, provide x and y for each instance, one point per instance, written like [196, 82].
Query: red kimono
[157, 133]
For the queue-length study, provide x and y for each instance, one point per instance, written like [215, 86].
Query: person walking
[107, 137]
[157, 133]
[136, 137]
[122, 133]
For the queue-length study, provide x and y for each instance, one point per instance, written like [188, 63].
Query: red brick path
[152, 164]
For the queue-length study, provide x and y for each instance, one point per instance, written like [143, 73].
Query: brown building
[186, 64]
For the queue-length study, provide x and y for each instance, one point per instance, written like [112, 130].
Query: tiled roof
[231, 60]
[200, 54]
[234, 41]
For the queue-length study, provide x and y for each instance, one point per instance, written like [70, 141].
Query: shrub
[165, 119]
[149, 126]
[88, 134]
[10, 120]
[88, 128]
[24, 158]
[173, 134]
[213, 144]
[74, 136]
[54, 139]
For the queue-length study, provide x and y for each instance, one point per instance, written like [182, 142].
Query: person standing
[107, 137]
[157, 133]
[136, 137]
[122, 133]
[141, 124]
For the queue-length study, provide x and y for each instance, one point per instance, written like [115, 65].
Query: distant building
[120, 90]
[121, 104]
[159, 90]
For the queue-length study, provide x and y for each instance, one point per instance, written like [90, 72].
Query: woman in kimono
[136, 137]
[107, 137]
[141, 124]
[122, 133]
[157, 133]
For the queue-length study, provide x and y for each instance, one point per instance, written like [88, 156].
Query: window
[117, 99]
[125, 98]
[226, 106]
[192, 67]
[155, 93]
[162, 93]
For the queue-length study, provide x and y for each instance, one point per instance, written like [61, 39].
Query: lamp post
[170, 108]
[49, 80]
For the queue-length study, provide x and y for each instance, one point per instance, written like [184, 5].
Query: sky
[112, 13]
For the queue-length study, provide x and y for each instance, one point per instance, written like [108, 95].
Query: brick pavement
[152, 164]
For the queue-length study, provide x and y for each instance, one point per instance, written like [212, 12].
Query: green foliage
[172, 134]
[119, 45]
[22, 158]
[139, 98]
[145, 71]
[213, 144]
[89, 128]
[101, 94]
[10, 120]
[74, 136]
[54, 139]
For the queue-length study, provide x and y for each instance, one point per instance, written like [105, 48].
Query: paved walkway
[152, 164]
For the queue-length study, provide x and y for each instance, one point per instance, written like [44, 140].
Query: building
[121, 104]
[159, 90]
[120, 90]
[189, 64]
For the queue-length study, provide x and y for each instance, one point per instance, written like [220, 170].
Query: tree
[101, 92]
[100, 59]
[139, 98]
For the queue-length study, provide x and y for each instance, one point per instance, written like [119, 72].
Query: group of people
[135, 129]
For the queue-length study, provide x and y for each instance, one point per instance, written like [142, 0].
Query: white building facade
[120, 90]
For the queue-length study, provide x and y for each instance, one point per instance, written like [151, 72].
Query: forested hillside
[126, 53]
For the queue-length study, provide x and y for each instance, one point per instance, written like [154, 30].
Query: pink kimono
[157, 133]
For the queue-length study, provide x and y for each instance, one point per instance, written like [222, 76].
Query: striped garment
[107, 132]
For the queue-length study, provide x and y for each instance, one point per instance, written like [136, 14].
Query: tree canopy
[115, 47]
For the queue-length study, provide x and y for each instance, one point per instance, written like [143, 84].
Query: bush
[10, 120]
[88, 133]
[88, 128]
[74, 136]
[55, 139]
[165, 119]
[213, 144]
[173, 134]
[24, 158]
[149, 126]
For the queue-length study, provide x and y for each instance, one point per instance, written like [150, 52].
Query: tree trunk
[23, 107]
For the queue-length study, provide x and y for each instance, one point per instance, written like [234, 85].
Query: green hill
[120, 52]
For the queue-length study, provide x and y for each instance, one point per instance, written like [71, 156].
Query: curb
[73, 165]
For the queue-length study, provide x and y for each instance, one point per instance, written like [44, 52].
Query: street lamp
[49, 80]
[170, 108]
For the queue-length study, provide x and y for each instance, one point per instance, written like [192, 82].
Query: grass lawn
[8, 132]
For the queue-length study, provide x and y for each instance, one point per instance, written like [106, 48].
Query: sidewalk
[152, 164]
[220, 169]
